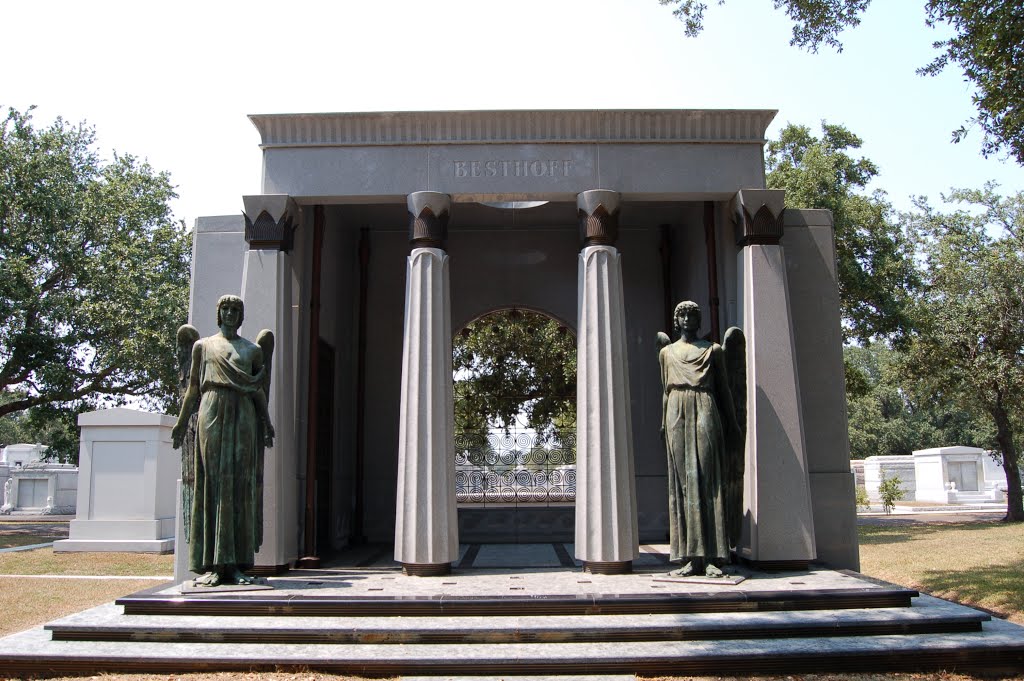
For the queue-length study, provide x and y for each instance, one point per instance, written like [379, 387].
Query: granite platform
[374, 621]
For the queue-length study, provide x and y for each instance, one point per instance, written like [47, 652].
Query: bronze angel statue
[223, 428]
[703, 424]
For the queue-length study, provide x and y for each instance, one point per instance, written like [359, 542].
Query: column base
[308, 563]
[610, 567]
[427, 569]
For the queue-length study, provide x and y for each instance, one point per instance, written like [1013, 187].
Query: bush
[890, 492]
[862, 499]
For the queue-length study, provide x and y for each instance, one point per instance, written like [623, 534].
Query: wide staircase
[525, 620]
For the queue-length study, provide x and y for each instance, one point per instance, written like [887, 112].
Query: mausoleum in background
[379, 235]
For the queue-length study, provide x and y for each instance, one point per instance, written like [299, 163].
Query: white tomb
[958, 475]
[18, 455]
[28, 484]
[879, 468]
[126, 484]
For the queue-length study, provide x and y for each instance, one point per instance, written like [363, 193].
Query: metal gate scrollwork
[515, 467]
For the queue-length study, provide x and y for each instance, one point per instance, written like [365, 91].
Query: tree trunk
[1011, 462]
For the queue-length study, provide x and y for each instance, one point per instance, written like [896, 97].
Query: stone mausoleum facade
[378, 236]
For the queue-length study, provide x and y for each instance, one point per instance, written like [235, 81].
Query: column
[270, 221]
[426, 525]
[778, 530]
[606, 520]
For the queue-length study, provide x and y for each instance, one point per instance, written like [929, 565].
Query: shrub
[890, 492]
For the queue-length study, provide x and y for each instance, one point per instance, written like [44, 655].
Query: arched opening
[515, 416]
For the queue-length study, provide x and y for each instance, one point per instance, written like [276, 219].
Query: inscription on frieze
[514, 168]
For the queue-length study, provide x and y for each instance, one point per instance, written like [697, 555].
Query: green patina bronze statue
[703, 386]
[224, 426]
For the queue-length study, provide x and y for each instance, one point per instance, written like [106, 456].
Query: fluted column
[426, 525]
[606, 520]
[778, 529]
[270, 222]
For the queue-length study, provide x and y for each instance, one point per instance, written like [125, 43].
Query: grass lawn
[978, 564]
[25, 534]
[46, 562]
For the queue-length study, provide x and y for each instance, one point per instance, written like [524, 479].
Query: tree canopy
[93, 273]
[514, 363]
[987, 44]
[888, 415]
[968, 346]
[875, 267]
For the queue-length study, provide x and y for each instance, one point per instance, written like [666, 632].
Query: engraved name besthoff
[511, 168]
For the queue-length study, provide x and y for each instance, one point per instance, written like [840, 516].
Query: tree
[93, 273]
[874, 265]
[888, 415]
[988, 44]
[511, 363]
[814, 21]
[969, 344]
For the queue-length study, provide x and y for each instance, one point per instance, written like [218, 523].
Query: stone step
[108, 623]
[256, 604]
[999, 646]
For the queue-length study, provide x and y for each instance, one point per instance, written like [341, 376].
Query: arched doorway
[515, 427]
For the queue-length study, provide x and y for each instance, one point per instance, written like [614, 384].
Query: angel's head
[230, 302]
[687, 316]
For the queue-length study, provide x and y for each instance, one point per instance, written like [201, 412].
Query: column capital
[270, 221]
[428, 219]
[758, 215]
[598, 213]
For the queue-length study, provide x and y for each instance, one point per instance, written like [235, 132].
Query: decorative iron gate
[515, 467]
[514, 377]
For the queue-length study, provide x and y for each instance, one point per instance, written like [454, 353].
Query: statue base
[724, 580]
[190, 587]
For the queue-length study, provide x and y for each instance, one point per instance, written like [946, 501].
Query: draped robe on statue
[696, 394]
[226, 519]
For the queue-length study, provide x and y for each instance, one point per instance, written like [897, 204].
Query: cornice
[413, 128]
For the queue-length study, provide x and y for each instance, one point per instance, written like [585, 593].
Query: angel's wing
[265, 339]
[663, 340]
[185, 341]
[734, 347]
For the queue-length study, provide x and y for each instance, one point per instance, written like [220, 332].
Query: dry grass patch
[28, 603]
[12, 540]
[46, 562]
[27, 533]
[978, 564]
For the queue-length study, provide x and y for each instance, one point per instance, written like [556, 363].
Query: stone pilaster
[607, 540]
[426, 525]
[267, 292]
[778, 529]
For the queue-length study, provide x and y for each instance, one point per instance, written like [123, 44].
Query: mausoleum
[378, 236]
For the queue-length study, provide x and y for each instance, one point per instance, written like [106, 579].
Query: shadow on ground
[896, 532]
[998, 589]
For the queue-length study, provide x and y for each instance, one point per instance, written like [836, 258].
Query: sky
[174, 82]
